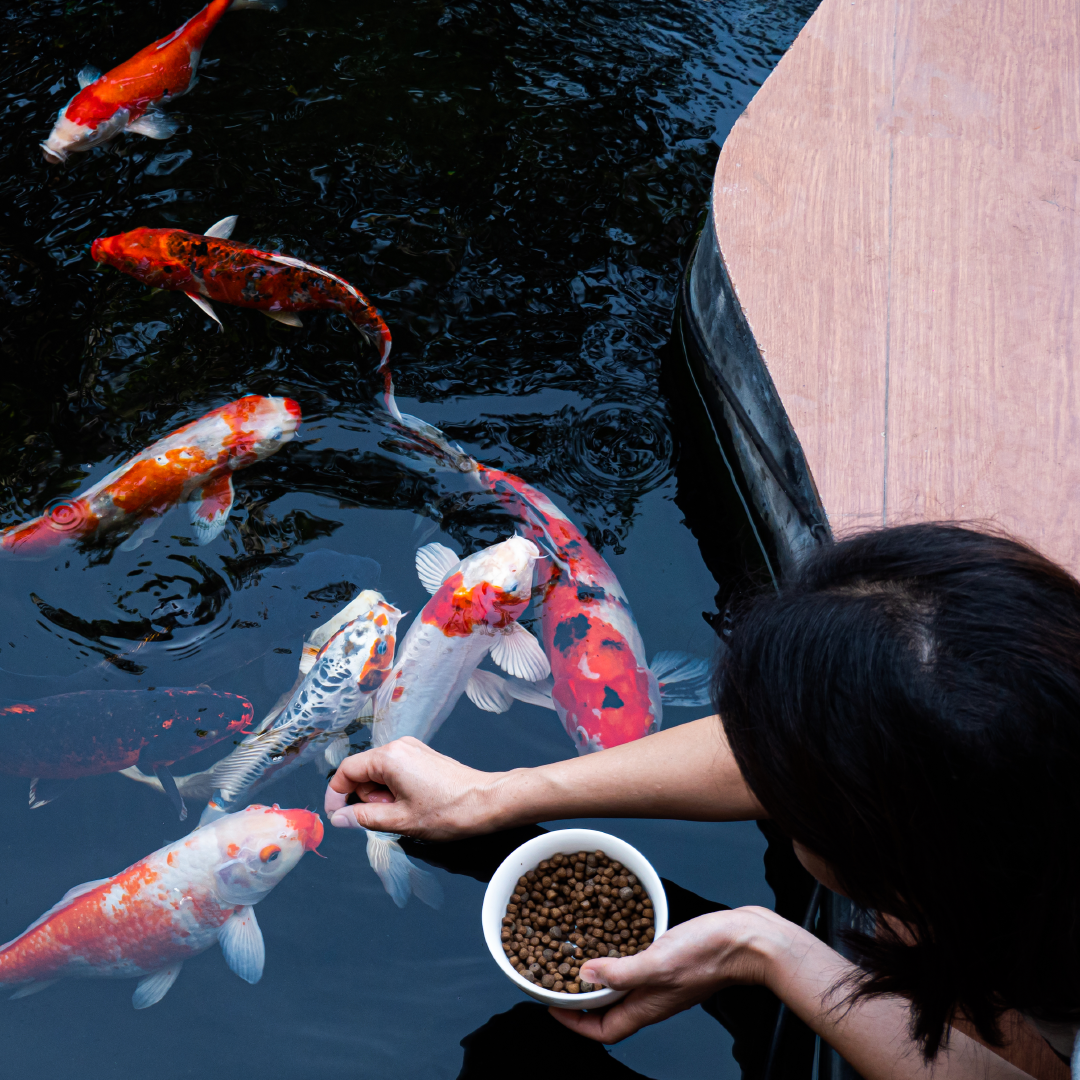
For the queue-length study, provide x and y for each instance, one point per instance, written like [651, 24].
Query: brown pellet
[571, 908]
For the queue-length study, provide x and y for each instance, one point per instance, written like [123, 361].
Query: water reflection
[515, 186]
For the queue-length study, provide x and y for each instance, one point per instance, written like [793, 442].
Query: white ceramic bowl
[525, 858]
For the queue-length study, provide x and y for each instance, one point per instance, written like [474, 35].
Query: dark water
[516, 186]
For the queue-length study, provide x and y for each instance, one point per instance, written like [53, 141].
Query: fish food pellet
[572, 908]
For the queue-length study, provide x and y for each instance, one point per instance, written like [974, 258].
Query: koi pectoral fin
[518, 653]
[241, 941]
[336, 752]
[205, 306]
[154, 125]
[222, 229]
[152, 988]
[434, 563]
[288, 318]
[43, 790]
[210, 506]
[32, 988]
[168, 785]
[88, 75]
[399, 874]
[142, 533]
[488, 691]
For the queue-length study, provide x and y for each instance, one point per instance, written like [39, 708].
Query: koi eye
[200, 734]
[269, 853]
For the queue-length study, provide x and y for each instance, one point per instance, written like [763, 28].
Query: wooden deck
[898, 210]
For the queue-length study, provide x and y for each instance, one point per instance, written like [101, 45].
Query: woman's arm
[406, 787]
[755, 946]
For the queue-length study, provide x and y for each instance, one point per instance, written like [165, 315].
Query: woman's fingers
[406, 787]
[620, 973]
[637, 1010]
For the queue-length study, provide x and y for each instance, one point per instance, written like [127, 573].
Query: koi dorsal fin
[223, 229]
[434, 564]
[65, 901]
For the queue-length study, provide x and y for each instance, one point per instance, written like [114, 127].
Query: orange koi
[144, 922]
[126, 98]
[194, 464]
[209, 266]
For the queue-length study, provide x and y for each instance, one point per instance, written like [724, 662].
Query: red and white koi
[194, 464]
[127, 97]
[209, 266]
[472, 613]
[347, 672]
[144, 922]
[602, 688]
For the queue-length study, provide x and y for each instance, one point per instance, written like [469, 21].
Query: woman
[907, 709]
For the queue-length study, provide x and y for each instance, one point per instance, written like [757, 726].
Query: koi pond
[516, 188]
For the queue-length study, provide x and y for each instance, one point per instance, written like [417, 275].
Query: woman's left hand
[681, 969]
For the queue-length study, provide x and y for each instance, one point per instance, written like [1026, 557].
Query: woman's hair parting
[908, 708]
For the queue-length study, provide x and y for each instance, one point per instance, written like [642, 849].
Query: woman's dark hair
[908, 708]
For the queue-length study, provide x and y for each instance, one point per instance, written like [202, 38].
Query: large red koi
[194, 464]
[126, 98]
[147, 920]
[209, 266]
[603, 689]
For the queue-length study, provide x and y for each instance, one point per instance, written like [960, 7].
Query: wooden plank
[898, 213]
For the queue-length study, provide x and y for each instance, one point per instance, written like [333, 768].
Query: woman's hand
[682, 968]
[406, 787]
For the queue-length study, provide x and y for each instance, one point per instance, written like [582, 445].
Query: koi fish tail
[428, 439]
[399, 874]
[257, 5]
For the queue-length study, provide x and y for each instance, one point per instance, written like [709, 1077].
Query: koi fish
[202, 784]
[91, 732]
[144, 922]
[126, 98]
[210, 266]
[473, 612]
[194, 465]
[603, 689]
[342, 680]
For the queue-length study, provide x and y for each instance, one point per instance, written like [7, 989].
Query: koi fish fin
[142, 533]
[168, 785]
[210, 506]
[518, 653]
[43, 790]
[88, 75]
[32, 988]
[683, 679]
[215, 808]
[222, 229]
[336, 752]
[205, 305]
[289, 318]
[532, 693]
[154, 125]
[399, 874]
[488, 691]
[71, 895]
[256, 5]
[152, 988]
[241, 941]
[434, 563]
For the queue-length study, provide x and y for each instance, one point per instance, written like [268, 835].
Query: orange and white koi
[346, 674]
[144, 922]
[209, 266]
[602, 688]
[473, 611]
[127, 97]
[194, 464]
